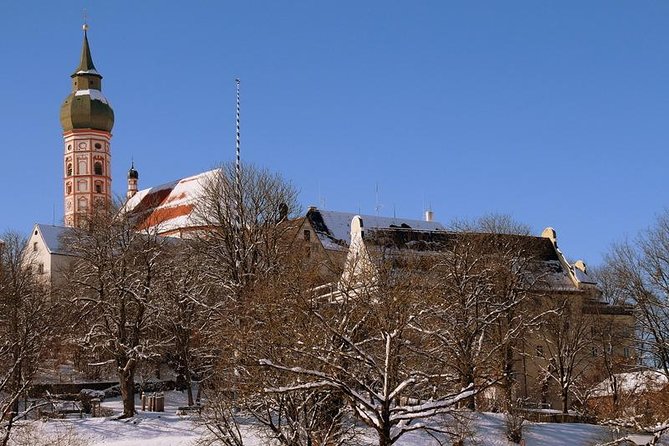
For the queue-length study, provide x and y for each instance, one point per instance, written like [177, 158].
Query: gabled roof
[53, 237]
[334, 228]
[544, 263]
[169, 207]
[538, 248]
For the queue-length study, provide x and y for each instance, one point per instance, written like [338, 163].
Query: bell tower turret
[87, 120]
[133, 178]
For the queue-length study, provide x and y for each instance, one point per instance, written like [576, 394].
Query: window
[69, 188]
[98, 145]
[40, 268]
[69, 169]
[98, 168]
[34, 246]
[82, 167]
[307, 235]
[98, 188]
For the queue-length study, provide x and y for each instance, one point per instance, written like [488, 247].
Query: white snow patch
[96, 95]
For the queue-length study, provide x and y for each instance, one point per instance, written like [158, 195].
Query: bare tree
[491, 276]
[359, 342]
[246, 235]
[491, 224]
[245, 224]
[187, 313]
[114, 285]
[28, 321]
[566, 335]
[639, 271]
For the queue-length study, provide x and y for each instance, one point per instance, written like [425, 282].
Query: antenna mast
[238, 162]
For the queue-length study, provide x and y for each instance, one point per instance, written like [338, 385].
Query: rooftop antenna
[378, 205]
[321, 199]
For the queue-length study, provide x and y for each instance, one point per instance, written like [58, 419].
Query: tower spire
[86, 65]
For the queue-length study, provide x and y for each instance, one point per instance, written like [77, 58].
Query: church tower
[87, 120]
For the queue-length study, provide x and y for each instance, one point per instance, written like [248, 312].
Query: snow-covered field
[169, 429]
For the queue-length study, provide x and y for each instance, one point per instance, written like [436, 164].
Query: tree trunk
[126, 379]
[565, 400]
[384, 432]
[8, 429]
[465, 381]
[189, 388]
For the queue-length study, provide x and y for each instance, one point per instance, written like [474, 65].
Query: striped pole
[238, 187]
[238, 163]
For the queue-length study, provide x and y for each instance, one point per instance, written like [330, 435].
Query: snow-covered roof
[583, 277]
[633, 383]
[169, 207]
[96, 95]
[52, 237]
[90, 71]
[334, 228]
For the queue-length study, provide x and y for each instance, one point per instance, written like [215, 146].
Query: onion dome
[132, 173]
[86, 107]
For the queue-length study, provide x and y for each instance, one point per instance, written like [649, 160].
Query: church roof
[168, 208]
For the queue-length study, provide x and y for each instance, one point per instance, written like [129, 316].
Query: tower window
[98, 145]
[82, 167]
[69, 188]
[98, 188]
[69, 169]
[98, 168]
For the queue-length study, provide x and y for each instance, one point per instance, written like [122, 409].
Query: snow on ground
[169, 429]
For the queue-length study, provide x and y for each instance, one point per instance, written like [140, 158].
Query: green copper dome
[86, 107]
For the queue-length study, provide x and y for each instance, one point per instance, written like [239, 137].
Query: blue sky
[554, 112]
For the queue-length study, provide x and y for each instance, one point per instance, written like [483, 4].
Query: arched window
[82, 204]
[82, 167]
[97, 168]
[69, 188]
[69, 169]
[98, 187]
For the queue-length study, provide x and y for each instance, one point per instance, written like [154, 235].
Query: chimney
[429, 215]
